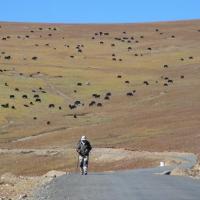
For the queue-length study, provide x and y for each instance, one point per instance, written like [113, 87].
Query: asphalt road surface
[142, 184]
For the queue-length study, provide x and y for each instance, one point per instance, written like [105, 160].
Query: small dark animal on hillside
[119, 76]
[6, 84]
[34, 58]
[165, 84]
[5, 105]
[96, 95]
[79, 84]
[165, 66]
[108, 94]
[13, 107]
[7, 57]
[12, 96]
[72, 106]
[106, 97]
[146, 82]
[182, 77]
[129, 48]
[51, 105]
[16, 89]
[36, 96]
[191, 57]
[127, 82]
[92, 103]
[77, 103]
[38, 100]
[129, 94]
[48, 122]
[24, 96]
[99, 104]
[170, 81]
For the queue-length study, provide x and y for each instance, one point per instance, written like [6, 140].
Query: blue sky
[99, 11]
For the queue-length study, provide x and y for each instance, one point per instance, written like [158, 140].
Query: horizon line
[101, 23]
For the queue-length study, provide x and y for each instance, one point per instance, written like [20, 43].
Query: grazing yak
[79, 84]
[106, 97]
[182, 77]
[77, 103]
[7, 57]
[96, 95]
[75, 116]
[72, 106]
[34, 58]
[5, 105]
[108, 94]
[129, 94]
[25, 96]
[51, 105]
[92, 103]
[38, 100]
[36, 96]
[12, 96]
[99, 105]
[146, 82]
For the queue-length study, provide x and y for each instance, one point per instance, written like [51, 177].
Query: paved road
[142, 184]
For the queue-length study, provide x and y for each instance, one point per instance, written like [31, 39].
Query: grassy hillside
[62, 64]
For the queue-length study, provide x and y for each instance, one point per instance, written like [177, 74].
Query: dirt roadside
[20, 187]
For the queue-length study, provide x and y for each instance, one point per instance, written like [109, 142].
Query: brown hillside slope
[150, 70]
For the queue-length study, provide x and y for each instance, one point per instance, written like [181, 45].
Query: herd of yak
[97, 99]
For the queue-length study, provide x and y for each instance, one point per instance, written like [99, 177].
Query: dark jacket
[83, 148]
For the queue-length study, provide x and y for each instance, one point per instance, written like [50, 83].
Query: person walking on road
[83, 149]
